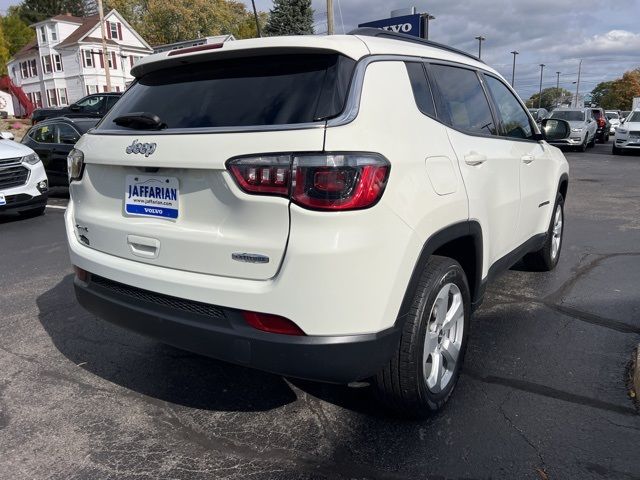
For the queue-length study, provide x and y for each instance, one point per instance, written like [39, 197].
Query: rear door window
[44, 134]
[241, 92]
[460, 99]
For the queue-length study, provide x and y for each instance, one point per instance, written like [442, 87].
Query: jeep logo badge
[145, 148]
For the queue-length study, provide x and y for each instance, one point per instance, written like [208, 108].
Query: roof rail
[376, 32]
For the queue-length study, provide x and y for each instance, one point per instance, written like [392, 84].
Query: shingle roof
[88, 24]
[32, 45]
[67, 18]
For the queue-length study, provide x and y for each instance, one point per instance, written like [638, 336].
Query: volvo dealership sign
[409, 24]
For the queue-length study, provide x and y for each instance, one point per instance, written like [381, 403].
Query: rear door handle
[527, 159]
[474, 159]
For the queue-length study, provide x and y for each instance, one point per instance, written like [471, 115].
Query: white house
[65, 62]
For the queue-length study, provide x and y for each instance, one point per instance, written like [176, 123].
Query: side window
[111, 101]
[91, 104]
[421, 89]
[515, 121]
[67, 134]
[460, 99]
[44, 134]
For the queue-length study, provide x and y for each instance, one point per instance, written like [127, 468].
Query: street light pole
[329, 17]
[513, 71]
[480, 39]
[558, 96]
[426, 17]
[255, 14]
[540, 94]
[578, 83]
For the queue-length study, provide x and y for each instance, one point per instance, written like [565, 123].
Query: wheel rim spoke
[443, 338]
[434, 379]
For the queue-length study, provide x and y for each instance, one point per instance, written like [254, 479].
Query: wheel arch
[460, 241]
[563, 185]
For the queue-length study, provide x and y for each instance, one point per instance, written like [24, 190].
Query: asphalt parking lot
[542, 395]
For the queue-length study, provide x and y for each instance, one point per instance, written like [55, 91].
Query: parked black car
[604, 126]
[52, 140]
[93, 106]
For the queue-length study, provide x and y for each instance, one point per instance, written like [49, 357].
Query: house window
[54, 34]
[33, 68]
[92, 89]
[88, 58]
[37, 99]
[52, 100]
[113, 30]
[43, 35]
[62, 95]
[57, 62]
[133, 59]
[24, 72]
[46, 64]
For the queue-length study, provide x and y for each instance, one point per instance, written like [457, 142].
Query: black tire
[592, 143]
[33, 212]
[401, 385]
[616, 151]
[583, 147]
[543, 260]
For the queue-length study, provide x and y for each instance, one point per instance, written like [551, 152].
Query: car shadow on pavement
[150, 368]
[167, 373]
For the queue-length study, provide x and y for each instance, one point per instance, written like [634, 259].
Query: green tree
[551, 97]
[32, 11]
[4, 51]
[600, 95]
[160, 22]
[290, 17]
[16, 32]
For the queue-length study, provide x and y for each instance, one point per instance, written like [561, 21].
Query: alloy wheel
[443, 339]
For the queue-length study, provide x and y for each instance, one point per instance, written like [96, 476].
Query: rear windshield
[568, 115]
[254, 91]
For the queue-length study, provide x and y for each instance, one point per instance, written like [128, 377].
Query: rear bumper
[221, 333]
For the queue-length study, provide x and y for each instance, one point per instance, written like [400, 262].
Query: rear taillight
[272, 323]
[601, 122]
[333, 181]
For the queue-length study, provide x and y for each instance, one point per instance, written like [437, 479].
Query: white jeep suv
[627, 137]
[329, 208]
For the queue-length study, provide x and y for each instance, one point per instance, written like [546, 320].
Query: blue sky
[558, 33]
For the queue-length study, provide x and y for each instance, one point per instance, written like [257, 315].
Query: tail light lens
[272, 323]
[75, 164]
[335, 181]
[601, 122]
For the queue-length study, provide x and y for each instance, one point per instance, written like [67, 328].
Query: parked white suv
[23, 182]
[628, 134]
[329, 208]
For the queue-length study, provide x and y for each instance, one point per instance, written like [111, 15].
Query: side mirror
[74, 107]
[68, 139]
[554, 129]
[7, 135]
[622, 121]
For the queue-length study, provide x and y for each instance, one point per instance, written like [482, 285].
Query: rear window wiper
[140, 120]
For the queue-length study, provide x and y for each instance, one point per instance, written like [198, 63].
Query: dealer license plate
[148, 196]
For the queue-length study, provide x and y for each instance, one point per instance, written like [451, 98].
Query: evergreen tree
[290, 17]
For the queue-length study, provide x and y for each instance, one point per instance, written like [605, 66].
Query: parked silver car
[583, 127]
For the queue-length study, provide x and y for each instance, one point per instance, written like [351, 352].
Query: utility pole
[255, 14]
[105, 57]
[558, 89]
[480, 39]
[426, 17]
[513, 71]
[578, 83]
[540, 94]
[329, 17]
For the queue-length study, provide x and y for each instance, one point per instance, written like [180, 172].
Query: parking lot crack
[540, 468]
